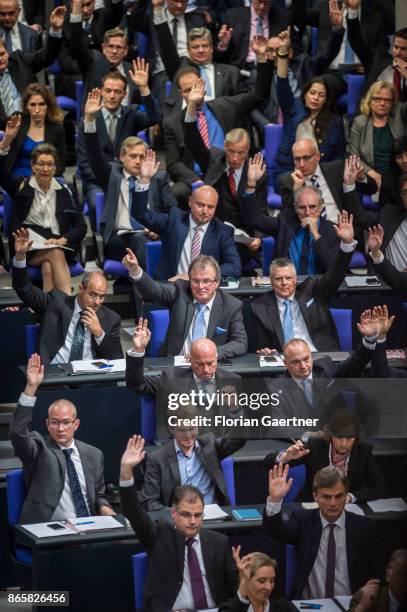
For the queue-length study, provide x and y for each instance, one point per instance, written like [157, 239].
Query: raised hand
[351, 170]
[130, 262]
[361, 176]
[57, 17]
[132, 456]
[197, 94]
[295, 451]
[34, 374]
[375, 239]
[149, 167]
[335, 13]
[278, 483]
[224, 36]
[93, 104]
[259, 45]
[22, 243]
[243, 565]
[298, 180]
[255, 169]
[369, 325]
[12, 127]
[141, 336]
[285, 38]
[344, 229]
[383, 320]
[401, 66]
[369, 593]
[267, 352]
[91, 321]
[139, 74]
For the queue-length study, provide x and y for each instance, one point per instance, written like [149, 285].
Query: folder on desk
[246, 514]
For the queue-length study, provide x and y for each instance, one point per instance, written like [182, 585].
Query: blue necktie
[199, 325]
[8, 42]
[75, 486]
[78, 341]
[132, 185]
[86, 26]
[205, 77]
[349, 53]
[306, 386]
[259, 27]
[288, 324]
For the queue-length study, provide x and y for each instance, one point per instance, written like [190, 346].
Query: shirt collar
[179, 450]
[72, 445]
[77, 309]
[300, 380]
[106, 114]
[317, 173]
[281, 299]
[54, 186]
[212, 381]
[340, 521]
[208, 304]
[193, 225]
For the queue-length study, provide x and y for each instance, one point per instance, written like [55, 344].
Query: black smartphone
[270, 358]
[372, 280]
[56, 526]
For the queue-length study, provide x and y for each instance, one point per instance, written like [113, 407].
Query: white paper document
[354, 508]
[53, 529]
[239, 235]
[93, 523]
[393, 504]
[98, 366]
[76, 526]
[180, 361]
[362, 281]
[344, 600]
[39, 243]
[213, 511]
[327, 605]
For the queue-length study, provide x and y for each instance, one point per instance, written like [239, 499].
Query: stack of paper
[213, 511]
[392, 504]
[98, 366]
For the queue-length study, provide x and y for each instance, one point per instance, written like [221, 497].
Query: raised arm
[97, 158]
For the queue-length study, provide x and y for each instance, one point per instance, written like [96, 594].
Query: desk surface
[8, 297]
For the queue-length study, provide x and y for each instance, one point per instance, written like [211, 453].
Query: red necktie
[203, 128]
[397, 83]
[196, 243]
[232, 182]
[195, 574]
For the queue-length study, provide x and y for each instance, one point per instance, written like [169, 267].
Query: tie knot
[68, 452]
[132, 182]
[201, 307]
[231, 172]
[287, 302]
[331, 526]
[190, 542]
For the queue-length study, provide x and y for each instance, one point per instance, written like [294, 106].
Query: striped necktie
[196, 243]
[6, 93]
[203, 128]
[232, 183]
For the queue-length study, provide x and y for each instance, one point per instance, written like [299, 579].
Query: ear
[314, 495]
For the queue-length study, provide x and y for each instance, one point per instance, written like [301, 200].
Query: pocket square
[310, 302]
[220, 330]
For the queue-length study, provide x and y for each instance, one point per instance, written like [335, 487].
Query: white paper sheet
[91, 523]
[181, 362]
[213, 511]
[89, 367]
[39, 243]
[393, 504]
[355, 509]
[344, 600]
[361, 281]
[277, 361]
[41, 530]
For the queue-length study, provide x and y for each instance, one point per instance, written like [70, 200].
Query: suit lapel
[207, 238]
[86, 463]
[274, 316]
[67, 315]
[182, 233]
[214, 317]
[173, 462]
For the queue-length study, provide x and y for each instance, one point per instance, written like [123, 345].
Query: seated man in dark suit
[375, 598]
[118, 181]
[114, 123]
[72, 327]
[336, 550]
[302, 311]
[185, 235]
[198, 308]
[188, 567]
[64, 477]
[16, 35]
[330, 178]
[302, 234]
[190, 458]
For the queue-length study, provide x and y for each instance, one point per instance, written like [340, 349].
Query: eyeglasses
[55, 423]
[112, 47]
[304, 158]
[304, 207]
[97, 296]
[190, 515]
[379, 99]
[45, 164]
[196, 282]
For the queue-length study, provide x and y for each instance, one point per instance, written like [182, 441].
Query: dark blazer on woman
[235, 605]
[54, 134]
[366, 481]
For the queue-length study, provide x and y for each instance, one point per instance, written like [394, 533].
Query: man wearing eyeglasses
[189, 568]
[327, 177]
[64, 477]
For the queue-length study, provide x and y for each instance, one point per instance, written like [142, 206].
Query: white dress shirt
[330, 205]
[186, 349]
[185, 258]
[16, 38]
[66, 508]
[185, 600]
[396, 250]
[43, 207]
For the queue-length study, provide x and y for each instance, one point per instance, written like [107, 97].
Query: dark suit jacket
[303, 529]
[225, 326]
[381, 603]
[173, 228]
[30, 39]
[166, 551]
[333, 173]
[54, 134]
[285, 226]
[162, 472]
[131, 121]
[230, 111]
[56, 309]
[238, 18]
[366, 481]
[393, 277]
[109, 176]
[312, 295]
[235, 605]
[44, 467]
[23, 67]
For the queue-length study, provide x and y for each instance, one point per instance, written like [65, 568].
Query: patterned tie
[8, 42]
[259, 26]
[314, 181]
[86, 25]
[195, 574]
[288, 324]
[196, 243]
[397, 83]
[330, 563]
[112, 126]
[199, 325]
[6, 93]
[175, 31]
[232, 183]
[134, 224]
[78, 341]
[203, 128]
[306, 386]
[205, 77]
[74, 484]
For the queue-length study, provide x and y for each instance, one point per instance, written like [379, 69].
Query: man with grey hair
[302, 234]
[198, 309]
[72, 327]
[16, 35]
[64, 477]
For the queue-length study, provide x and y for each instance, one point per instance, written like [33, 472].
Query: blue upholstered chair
[16, 494]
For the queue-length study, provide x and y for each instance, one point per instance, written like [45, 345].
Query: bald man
[328, 177]
[64, 477]
[184, 234]
[72, 327]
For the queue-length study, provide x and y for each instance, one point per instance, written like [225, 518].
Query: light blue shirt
[193, 473]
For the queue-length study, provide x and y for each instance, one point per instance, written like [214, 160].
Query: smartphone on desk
[56, 526]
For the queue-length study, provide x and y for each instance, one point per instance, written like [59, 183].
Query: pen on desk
[310, 606]
[86, 523]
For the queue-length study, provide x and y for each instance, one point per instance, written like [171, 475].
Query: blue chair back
[227, 465]
[100, 204]
[159, 321]
[356, 83]
[273, 133]
[139, 563]
[290, 569]
[142, 44]
[153, 254]
[79, 96]
[16, 494]
[32, 336]
[147, 417]
[298, 473]
[7, 208]
[343, 322]
[314, 41]
[267, 250]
